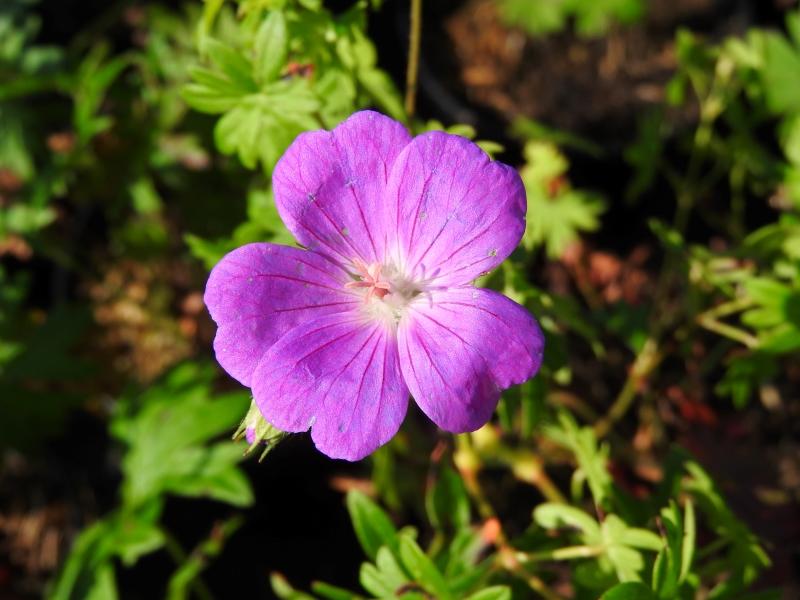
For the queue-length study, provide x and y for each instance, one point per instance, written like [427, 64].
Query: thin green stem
[710, 320]
[180, 557]
[412, 71]
[469, 464]
[529, 468]
[730, 332]
[568, 553]
[645, 363]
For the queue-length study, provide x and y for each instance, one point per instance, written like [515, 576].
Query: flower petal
[458, 213]
[459, 348]
[330, 186]
[260, 291]
[338, 375]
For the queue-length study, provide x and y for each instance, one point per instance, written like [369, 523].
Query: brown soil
[570, 82]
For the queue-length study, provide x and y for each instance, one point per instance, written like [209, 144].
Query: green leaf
[146, 200]
[208, 100]
[383, 91]
[744, 550]
[235, 65]
[766, 291]
[137, 537]
[89, 556]
[23, 218]
[460, 565]
[596, 575]
[92, 81]
[555, 516]
[104, 585]
[744, 374]
[167, 440]
[370, 579]
[284, 590]
[261, 209]
[422, 568]
[640, 538]
[591, 456]
[223, 483]
[261, 126]
[271, 47]
[384, 577]
[338, 89]
[536, 18]
[632, 590]
[779, 73]
[332, 592]
[556, 213]
[218, 82]
[447, 502]
[372, 526]
[495, 592]
[628, 562]
[590, 17]
[689, 539]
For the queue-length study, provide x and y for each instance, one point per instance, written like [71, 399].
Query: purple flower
[381, 303]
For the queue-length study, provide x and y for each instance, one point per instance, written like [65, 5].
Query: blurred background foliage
[655, 456]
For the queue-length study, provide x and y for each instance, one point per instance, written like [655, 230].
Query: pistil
[370, 279]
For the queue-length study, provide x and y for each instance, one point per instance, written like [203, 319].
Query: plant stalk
[412, 71]
[646, 361]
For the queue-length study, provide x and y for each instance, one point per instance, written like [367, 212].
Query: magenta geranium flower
[381, 303]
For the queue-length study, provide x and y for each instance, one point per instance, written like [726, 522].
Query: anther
[370, 279]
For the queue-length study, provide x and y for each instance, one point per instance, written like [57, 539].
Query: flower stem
[177, 553]
[710, 320]
[469, 464]
[568, 553]
[412, 70]
[529, 468]
[646, 361]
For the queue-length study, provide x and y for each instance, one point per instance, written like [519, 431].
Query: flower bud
[256, 430]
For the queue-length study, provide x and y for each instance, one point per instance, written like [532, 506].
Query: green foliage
[747, 293]
[282, 69]
[612, 549]
[400, 566]
[591, 17]
[557, 213]
[168, 434]
[296, 67]
[591, 457]
[262, 114]
[630, 590]
[674, 560]
[446, 503]
[373, 527]
[128, 140]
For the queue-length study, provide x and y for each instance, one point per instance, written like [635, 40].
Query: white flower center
[387, 291]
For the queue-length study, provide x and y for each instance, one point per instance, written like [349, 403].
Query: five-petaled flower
[381, 303]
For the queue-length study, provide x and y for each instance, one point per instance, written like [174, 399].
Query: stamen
[370, 279]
